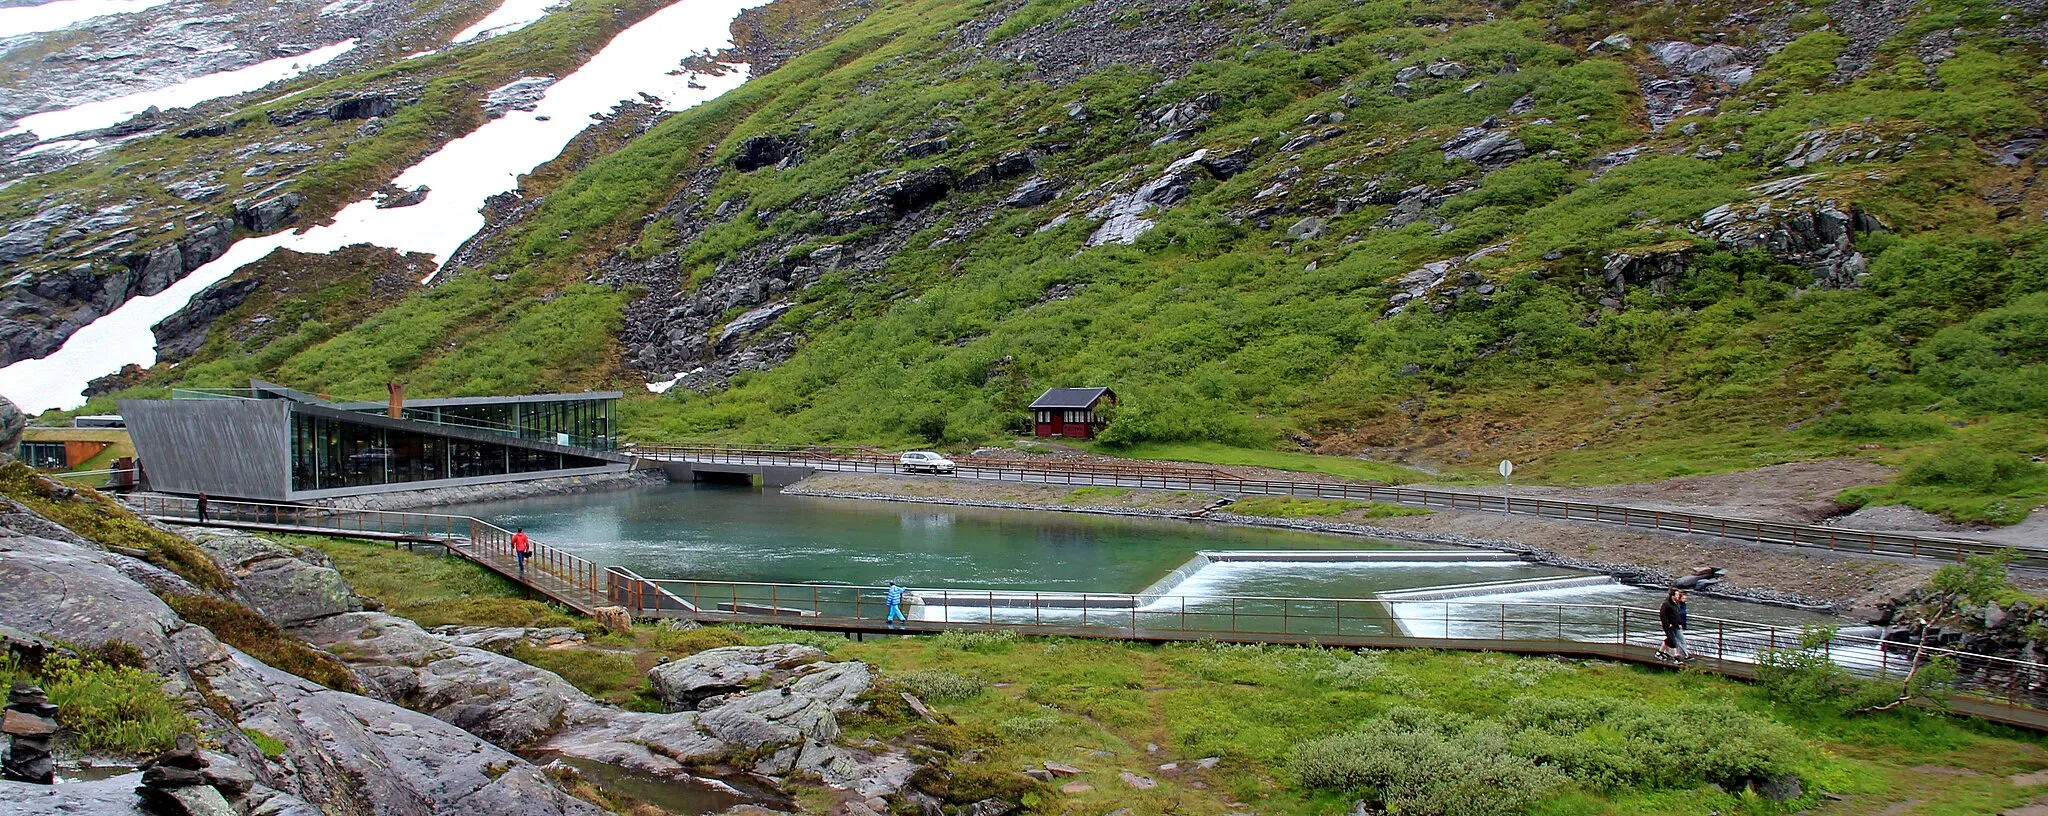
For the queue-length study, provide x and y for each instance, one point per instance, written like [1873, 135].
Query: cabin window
[1045, 417]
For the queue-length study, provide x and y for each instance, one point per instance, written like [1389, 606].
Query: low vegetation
[238, 626]
[95, 517]
[110, 703]
[1286, 507]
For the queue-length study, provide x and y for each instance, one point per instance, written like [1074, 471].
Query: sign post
[1507, 469]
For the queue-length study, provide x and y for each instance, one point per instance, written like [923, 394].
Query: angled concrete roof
[1068, 397]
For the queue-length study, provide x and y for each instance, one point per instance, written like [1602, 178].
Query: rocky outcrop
[522, 94]
[38, 312]
[332, 741]
[1123, 214]
[684, 683]
[517, 706]
[763, 151]
[185, 331]
[268, 214]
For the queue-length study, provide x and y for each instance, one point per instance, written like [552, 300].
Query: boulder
[269, 214]
[288, 587]
[1033, 192]
[1307, 229]
[915, 190]
[682, 684]
[522, 94]
[762, 151]
[1224, 165]
[12, 421]
[363, 107]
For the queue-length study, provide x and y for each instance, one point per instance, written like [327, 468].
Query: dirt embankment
[1759, 572]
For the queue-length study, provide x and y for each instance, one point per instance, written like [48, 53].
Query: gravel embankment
[1766, 573]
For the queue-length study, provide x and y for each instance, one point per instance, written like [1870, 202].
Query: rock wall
[557, 486]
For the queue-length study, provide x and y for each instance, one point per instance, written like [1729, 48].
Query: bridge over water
[2003, 690]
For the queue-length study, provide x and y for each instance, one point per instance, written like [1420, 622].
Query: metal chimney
[397, 409]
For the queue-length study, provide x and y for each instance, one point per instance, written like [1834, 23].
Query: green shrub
[997, 642]
[762, 635]
[1421, 763]
[1032, 726]
[120, 709]
[939, 686]
[1890, 427]
[679, 642]
[1968, 468]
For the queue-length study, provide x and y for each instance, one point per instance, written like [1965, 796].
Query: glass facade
[45, 455]
[582, 423]
[331, 453]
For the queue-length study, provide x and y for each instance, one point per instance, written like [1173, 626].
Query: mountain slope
[1609, 240]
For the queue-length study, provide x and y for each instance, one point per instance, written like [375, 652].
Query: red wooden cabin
[1071, 412]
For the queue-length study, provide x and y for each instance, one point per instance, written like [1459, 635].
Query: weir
[1996, 689]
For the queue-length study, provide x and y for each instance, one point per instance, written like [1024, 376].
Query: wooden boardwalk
[536, 580]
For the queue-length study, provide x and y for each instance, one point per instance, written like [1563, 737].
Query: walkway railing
[2001, 689]
[475, 538]
[1739, 529]
[1723, 645]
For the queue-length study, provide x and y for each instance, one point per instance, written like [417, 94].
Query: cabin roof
[1055, 398]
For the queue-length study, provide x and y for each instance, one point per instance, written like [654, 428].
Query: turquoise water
[717, 533]
[697, 532]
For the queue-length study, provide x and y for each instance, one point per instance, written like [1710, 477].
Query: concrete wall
[223, 448]
[763, 475]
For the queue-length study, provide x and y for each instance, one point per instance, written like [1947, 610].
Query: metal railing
[2014, 690]
[1731, 646]
[1740, 529]
[866, 461]
[473, 537]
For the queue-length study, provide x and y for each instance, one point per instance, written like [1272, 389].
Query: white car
[925, 462]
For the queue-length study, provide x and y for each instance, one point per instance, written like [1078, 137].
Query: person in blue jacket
[895, 605]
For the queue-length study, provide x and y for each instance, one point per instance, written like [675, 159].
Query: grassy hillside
[1590, 325]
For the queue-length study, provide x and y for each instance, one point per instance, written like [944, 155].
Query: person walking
[896, 605]
[202, 508]
[1672, 616]
[521, 548]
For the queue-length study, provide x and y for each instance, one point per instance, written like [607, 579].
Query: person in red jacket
[521, 548]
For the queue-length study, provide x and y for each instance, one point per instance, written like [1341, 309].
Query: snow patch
[106, 112]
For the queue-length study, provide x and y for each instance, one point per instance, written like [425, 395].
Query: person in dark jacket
[202, 508]
[1672, 616]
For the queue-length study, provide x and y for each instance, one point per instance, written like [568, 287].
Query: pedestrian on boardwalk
[202, 508]
[1672, 616]
[521, 548]
[895, 605]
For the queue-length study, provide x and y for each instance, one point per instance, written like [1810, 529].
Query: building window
[45, 455]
